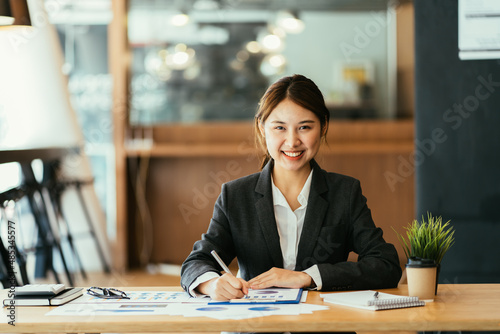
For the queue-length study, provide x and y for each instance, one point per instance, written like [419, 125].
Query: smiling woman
[293, 224]
[294, 100]
[291, 131]
[198, 120]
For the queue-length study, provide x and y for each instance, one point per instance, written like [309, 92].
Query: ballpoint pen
[221, 263]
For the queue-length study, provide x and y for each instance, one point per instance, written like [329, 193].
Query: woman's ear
[324, 130]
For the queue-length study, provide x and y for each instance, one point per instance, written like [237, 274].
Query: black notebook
[372, 300]
[62, 297]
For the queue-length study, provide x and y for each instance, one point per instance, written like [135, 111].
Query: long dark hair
[300, 90]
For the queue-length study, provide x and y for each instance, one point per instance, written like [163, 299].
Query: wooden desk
[457, 307]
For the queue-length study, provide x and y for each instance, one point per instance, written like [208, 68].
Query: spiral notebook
[372, 300]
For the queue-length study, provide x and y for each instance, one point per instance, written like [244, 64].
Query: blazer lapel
[265, 211]
[315, 215]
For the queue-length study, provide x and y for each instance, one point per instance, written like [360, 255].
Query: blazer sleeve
[378, 262]
[218, 237]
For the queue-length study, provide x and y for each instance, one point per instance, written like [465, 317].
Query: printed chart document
[267, 296]
[371, 300]
[244, 311]
[140, 303]
[143, 297]
[180, 303]
[227, 311]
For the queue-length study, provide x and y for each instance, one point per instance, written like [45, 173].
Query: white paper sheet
[175, 303]
[230, 311]
[478, 29]
[142, 297]
[110, 309]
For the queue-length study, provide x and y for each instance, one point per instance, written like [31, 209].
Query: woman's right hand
[225, 287]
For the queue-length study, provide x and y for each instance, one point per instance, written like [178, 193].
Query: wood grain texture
[118, 60]
[460, 307]
[189, 163]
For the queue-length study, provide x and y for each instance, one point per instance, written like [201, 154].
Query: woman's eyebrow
[301, 122]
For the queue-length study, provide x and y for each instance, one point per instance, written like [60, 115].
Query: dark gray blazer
[337, 222]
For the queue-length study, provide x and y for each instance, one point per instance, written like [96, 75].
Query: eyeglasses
[107, 293]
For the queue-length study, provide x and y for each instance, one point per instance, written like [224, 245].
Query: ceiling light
[271, 42]
[180, 19]
[160, 63]
[154, 63]
[273, 64]
[277, 60]
[289, 22]
[253, 47]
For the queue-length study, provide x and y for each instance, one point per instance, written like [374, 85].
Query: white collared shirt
[290, 224]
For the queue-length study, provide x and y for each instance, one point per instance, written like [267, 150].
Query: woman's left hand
[281, 278]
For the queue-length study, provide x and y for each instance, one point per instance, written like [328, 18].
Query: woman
[292, 224]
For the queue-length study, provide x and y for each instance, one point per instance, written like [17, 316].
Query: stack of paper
[246, 311]
[180, 303]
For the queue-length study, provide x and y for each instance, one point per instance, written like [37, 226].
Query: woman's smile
[293, 136]
[293, 155]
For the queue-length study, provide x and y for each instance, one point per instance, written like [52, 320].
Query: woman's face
[293, 136]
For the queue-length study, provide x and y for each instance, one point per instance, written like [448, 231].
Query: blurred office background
[164, 93]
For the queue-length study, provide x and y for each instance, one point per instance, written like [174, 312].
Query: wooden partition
[190, 162]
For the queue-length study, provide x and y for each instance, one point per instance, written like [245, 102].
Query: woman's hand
[224, 287]
[281, 278]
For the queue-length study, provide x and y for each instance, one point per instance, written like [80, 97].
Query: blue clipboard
[266, 296]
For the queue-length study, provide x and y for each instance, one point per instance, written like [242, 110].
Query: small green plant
[429, 239]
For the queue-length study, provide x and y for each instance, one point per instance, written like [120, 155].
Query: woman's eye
[304, 127]
[279, 128]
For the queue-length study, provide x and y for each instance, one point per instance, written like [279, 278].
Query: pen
[222, 264]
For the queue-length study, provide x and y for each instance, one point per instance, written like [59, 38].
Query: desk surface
[457, 307]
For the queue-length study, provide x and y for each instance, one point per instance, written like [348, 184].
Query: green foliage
[429, 239]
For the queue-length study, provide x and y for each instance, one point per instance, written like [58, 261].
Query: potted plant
[425, 244]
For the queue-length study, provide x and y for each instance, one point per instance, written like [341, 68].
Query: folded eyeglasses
[107, 293]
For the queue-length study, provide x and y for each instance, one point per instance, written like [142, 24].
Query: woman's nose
[292, 139]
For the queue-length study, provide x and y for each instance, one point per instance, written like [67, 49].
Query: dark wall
[457, 143]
